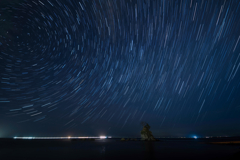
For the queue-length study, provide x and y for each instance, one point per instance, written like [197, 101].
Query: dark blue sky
[101, 67]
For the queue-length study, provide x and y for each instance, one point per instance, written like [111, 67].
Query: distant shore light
[69, 137]
[103, 137]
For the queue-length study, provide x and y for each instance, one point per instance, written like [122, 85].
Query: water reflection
[102, 151]
[150, 150]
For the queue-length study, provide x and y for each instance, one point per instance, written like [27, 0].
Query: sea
[114, 149]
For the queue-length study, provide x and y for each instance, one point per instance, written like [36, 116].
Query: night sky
[100, 67]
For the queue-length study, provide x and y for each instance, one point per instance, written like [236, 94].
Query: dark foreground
[114, 149]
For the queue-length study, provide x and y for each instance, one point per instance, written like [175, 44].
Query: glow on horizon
[100, 137]
[103, 137]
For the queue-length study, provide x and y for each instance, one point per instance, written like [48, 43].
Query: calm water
[112, 149]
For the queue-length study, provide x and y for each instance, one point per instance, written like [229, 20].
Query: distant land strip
[228, 142]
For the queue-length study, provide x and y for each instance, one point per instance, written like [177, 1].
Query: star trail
[111, 64]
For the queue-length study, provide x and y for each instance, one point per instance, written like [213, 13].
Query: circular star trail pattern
[119, 62]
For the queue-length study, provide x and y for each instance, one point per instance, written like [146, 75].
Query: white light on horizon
[103, 137]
